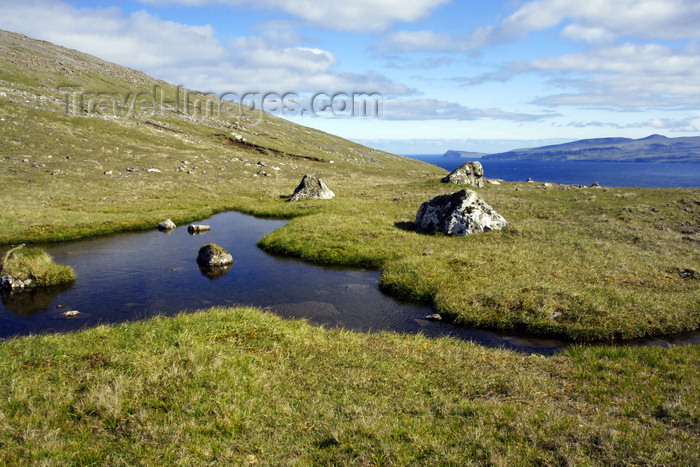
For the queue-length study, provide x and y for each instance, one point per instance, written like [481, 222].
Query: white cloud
[138, 40]
[626, 58]
[657, 19]
[258, 52]
[190, 55]
[684, 125]
[420, 40]
[628, 75]
[586, 33]
[591, 20]
[500, 76]
[434, 109]
[356, 15]
[618, 102]
[427, 63]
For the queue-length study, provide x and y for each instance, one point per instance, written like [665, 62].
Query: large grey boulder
[311, 187]
[212, 255]
[460, 213]
[471, 173]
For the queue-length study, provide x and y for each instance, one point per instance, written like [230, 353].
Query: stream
[134, 276]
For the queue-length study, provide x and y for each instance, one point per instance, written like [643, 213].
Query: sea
[613, 174]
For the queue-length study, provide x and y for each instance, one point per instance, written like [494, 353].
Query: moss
[214, 248]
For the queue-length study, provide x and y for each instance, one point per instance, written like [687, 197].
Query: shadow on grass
[412, 227]
[407, 226]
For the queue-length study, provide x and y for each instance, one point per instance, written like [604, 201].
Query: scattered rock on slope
[460, 213]
[311, 187]
[471, 173]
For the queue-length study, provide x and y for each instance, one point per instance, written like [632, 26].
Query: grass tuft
[37, 265]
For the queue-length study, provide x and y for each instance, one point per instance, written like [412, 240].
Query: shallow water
[133, 276]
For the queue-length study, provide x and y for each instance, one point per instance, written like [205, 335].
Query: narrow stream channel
[137, 275]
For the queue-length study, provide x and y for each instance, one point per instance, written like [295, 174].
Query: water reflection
[215, 273]
[27, 302]
[134, 276]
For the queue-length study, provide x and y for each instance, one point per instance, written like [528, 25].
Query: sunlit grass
[580, 264]
[239, 386]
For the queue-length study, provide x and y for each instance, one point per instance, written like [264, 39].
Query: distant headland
[654, 148]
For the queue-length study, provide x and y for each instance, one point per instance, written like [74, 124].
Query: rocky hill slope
[86, 142]
[39, 75]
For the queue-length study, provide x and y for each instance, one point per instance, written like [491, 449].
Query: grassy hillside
[85, 171]
[577, 263]
[243, 387]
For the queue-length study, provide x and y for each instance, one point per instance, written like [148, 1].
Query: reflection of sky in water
[133, 276]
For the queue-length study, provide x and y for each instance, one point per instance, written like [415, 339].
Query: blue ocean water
[614, 174]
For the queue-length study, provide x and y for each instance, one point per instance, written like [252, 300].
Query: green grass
[37, 265]
[243, 387]
[240, 386]
[578, 263]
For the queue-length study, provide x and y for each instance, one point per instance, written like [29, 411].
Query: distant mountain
[654, 148]
[463, 154]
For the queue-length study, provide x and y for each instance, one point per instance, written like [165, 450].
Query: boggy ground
[240, 386]
[577, 263]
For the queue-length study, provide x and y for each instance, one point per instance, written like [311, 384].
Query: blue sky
[465, 75]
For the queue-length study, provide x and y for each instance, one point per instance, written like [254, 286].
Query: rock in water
[471, 173]
[167, 224]
[311, 187]
[460, 213]
[8, 282]
[197, 228]
[212, 255]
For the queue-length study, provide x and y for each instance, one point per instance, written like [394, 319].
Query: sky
[484, 76]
